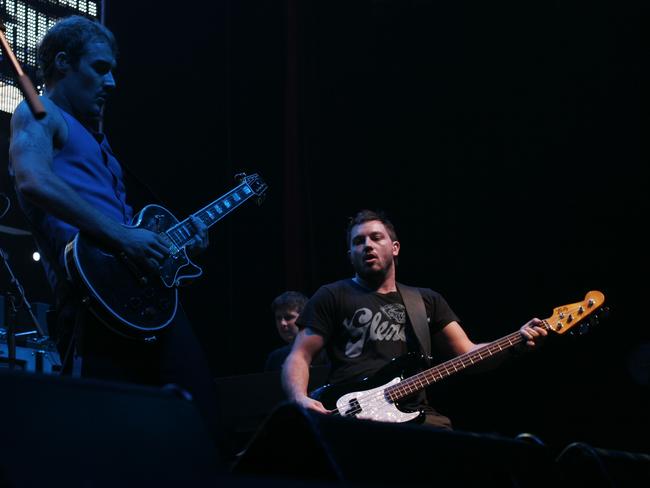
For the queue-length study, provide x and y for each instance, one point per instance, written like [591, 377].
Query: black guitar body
[343, 396]
[132, 301]
[136, 302]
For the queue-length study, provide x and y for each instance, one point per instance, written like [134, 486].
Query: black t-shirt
[363, 329]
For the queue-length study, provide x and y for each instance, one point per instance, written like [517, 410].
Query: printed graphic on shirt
[388, 324]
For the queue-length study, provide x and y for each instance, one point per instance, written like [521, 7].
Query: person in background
[286, 309]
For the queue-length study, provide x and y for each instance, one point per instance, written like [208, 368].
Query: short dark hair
[291, 300]
[70, 35]
[367, 216]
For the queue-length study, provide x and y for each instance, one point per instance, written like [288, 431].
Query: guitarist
[363, 324]
[67, 180]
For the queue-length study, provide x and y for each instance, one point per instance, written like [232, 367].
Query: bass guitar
[377, 397]
[137, 303]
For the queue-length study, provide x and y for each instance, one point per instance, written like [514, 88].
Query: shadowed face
[86, 86]
[285, 322]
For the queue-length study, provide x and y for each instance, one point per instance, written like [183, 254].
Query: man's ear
[396, 248]
[62, 62]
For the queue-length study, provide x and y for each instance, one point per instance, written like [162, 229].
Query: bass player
[363, 322]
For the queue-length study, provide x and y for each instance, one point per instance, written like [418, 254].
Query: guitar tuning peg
[240, 177]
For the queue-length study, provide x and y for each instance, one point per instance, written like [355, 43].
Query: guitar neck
[427, 377]
[184, 231]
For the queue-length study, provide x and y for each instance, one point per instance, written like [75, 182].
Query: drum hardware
[34, 342]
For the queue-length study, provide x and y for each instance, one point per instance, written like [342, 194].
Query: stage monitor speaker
[58, 431]
[296, 443]
[580, 464]
[263, 393]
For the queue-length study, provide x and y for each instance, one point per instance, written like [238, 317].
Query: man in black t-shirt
[363, 324]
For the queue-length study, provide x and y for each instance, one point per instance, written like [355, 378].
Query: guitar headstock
[566, 317]
[256, 183]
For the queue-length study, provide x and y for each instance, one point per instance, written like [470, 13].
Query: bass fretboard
[427, 377]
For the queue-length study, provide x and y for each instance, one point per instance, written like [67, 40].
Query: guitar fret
[173, 238]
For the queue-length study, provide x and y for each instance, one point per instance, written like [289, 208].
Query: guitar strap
[417, 316]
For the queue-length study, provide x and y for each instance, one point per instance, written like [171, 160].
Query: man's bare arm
[295, 370]
[453, 340]
[31, 151]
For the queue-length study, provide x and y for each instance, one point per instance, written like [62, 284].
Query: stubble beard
[373, 277]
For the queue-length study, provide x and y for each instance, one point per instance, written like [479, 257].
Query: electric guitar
[135, 302]
[377, 397]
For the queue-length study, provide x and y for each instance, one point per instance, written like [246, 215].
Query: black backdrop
[507, 142]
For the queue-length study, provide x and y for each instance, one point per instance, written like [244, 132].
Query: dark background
[507, 143]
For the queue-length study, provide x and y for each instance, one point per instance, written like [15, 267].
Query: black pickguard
[127, 298]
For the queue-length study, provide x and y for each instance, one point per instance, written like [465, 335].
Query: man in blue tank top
[68, 180]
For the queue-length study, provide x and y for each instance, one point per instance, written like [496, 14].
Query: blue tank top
[86, 163]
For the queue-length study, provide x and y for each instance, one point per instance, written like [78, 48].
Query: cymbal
[5, 229]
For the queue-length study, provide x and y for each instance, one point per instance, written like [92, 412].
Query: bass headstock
[566, 317]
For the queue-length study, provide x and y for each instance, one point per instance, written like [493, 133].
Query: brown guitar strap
[417, 316]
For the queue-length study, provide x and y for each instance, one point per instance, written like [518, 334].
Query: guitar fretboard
[427, 377]
[183, 232]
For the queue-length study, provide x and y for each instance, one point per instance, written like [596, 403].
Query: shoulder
[427, 293]
[333, 290]
[432, 299]
[52, 125]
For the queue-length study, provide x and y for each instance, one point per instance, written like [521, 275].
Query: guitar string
[378, 398]
[182, 241]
